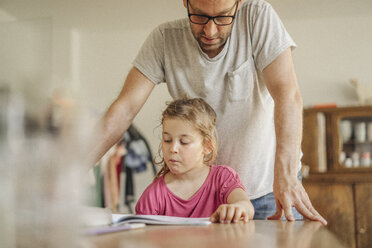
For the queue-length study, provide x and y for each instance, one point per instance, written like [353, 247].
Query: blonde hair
[202, 116]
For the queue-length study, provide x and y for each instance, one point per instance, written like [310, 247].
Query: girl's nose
[174, 147]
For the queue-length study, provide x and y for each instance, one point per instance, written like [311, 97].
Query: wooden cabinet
[335, 140]
[363, 205]
[338, 139]
[345, 202]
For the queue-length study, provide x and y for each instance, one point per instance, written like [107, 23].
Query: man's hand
[227, 213]
[289, 192]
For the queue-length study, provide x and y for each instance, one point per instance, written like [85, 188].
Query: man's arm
[281, 81]
[121, 113]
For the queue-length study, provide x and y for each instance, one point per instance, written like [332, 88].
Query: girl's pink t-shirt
[157, 199]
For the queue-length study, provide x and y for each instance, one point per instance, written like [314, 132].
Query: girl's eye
[185, 142]
[167, 141]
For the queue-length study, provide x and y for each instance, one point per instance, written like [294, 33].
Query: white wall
[334, 45]
[25, 56]
[92, 45]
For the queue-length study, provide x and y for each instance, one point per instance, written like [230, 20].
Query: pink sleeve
[229, 181]
[149, 202]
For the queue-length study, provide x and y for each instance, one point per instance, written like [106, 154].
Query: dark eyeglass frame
[213, 17]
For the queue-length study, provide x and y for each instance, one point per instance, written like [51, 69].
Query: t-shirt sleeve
[229, 180]
[268, 34]
[150, 58]
[149, 201]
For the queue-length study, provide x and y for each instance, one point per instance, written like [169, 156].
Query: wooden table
[258, 233]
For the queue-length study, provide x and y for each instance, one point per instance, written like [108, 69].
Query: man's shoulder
[251, 9]
[255, 4]
[174, 25]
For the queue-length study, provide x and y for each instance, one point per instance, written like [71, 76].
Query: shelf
[343, 176]
[324, 130]
[353, 143]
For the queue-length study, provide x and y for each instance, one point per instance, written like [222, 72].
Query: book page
[159, 219]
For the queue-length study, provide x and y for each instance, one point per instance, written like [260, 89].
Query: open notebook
[159, 220]
[100, 221]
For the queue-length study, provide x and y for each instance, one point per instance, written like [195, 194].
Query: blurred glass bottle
[41, 175]
[7, 217]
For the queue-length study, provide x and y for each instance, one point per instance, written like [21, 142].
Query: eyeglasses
[218, 20]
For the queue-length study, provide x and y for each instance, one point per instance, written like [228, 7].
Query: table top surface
[257, 233]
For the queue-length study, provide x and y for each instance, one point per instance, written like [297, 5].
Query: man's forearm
[109, 130]
[120, 115]
[288, 128]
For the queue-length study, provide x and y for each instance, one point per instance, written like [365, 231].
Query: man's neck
[214, 53]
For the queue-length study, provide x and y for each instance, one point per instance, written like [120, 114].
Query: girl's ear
[208, 148]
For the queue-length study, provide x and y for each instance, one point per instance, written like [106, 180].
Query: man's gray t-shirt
[232, 83]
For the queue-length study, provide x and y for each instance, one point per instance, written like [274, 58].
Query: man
[237, 56]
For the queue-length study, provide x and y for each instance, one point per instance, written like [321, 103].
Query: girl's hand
[238, 207]
[227, 213]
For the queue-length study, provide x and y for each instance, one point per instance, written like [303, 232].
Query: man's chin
[209, 47]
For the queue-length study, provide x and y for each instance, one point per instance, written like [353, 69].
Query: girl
[187, 184]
